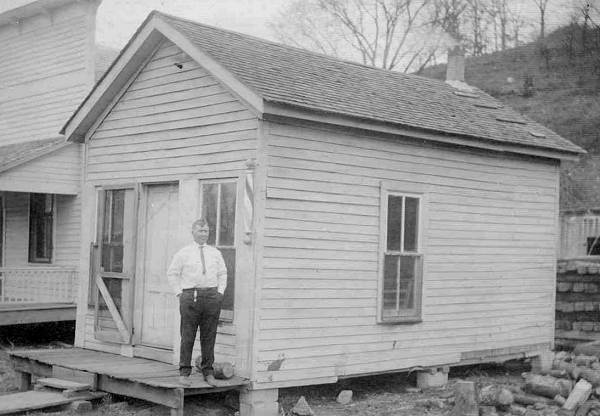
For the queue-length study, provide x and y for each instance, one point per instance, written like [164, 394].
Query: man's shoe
[185, 380]
[210, 379]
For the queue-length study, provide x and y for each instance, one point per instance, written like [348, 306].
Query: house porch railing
[38, 285]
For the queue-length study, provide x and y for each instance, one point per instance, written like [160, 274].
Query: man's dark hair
[200, 222]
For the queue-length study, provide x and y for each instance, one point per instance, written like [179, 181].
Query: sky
[117, 20]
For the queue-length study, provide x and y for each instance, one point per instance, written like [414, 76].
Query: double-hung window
[41, 213]
[402, 258]
[219, 208]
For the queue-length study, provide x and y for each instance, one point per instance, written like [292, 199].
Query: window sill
[400, 321]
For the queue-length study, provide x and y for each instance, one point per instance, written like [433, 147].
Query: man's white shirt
[186, 271]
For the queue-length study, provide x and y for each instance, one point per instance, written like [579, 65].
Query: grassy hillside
[556, 83]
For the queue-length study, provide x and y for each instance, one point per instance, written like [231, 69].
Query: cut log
[224, 370]
[588, 348]
[592, 376]
[580, 394]
[525, 399]
[559, 373]
[547, 386]
[570, 368]
[465, 400]
[495, 396]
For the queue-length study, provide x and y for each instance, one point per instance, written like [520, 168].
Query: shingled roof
[290, 77]
[296, 77]
[12, 155]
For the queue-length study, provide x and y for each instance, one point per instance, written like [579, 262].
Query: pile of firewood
[571, 387]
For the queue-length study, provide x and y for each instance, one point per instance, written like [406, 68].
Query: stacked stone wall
[577, 301]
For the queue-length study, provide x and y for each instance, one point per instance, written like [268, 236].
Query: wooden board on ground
[34, 400]
[75, 375]
[57, 383]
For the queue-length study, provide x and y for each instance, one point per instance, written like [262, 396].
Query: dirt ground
[383, 395]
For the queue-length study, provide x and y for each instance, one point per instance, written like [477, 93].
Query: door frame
[125, 317]
[140, 350]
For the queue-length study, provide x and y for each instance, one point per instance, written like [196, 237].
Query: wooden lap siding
[56, 172]
[45, 77]
[66, 224]
[172, 124]
[489, 254]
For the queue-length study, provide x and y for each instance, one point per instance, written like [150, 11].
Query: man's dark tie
[203, 262]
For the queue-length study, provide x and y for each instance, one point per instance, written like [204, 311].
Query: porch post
[259, 402]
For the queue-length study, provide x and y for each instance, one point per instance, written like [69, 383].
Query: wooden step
[35, 400]
[57, 383]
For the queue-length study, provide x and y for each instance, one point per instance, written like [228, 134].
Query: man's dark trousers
[199, 307]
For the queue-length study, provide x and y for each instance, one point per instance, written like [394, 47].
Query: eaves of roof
[13, 155]
[268, 75]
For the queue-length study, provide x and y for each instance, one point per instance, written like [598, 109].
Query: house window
[218, 208]
[400, 297]
[112, 231]
[593, 246]
[41, 211]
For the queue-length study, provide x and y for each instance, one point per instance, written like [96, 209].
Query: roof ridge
[297, 48]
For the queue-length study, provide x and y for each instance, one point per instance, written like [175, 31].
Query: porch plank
[141, 378]
[18, 314]
[170, 397]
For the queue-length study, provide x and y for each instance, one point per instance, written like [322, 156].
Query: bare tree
[384, 33]
[542, 5]
[500, 12]
[448, 16]
[517, 24]
[476, 11]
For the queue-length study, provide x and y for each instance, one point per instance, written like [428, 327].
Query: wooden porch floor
[140, 378]
[30, 313]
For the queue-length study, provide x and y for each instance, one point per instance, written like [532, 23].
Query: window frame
[227, 315]
[31, 256]
[413, 315]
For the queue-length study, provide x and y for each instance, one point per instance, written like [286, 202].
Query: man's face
[200, 234]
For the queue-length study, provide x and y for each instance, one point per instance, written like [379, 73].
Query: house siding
[48, 73]
[66, 230]
[489, 243]
[58, 172]
[172, 124]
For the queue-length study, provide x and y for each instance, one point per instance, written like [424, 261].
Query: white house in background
[48, 63]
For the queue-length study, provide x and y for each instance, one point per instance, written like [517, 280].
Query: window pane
[593, 246]
[227, 215]
[114, 287]
[229, 257]
[40, 228]
[118, 214]
[390, 282]
[394, 223]
[210, 194]
[411, 224]
[112, 231]
[408, 265]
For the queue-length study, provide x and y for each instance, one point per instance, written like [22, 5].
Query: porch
[140, 378]
[37, 294]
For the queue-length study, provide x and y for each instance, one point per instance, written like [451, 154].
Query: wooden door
[113, 264]
[157, 303]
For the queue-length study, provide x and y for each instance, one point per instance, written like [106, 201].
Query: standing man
[198, 277]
